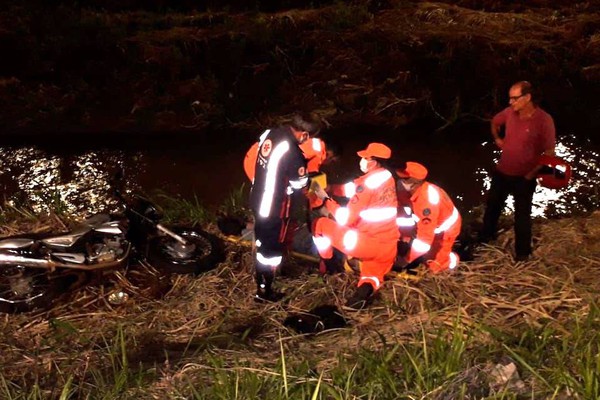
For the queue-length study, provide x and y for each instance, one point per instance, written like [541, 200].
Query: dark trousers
[522, 191]
[270, 232]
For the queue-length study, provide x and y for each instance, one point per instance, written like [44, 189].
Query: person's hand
[499, 142]
[319, 191]
[530, 176]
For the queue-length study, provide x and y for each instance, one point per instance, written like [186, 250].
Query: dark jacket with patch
[280, 169]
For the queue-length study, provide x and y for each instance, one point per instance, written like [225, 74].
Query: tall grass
[555, 361]
[176, 209]
[429, 366]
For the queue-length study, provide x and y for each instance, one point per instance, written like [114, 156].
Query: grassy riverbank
[443, 337]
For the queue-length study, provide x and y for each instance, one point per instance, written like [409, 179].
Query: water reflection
[581, 195]
[78, 184]
[77, 180]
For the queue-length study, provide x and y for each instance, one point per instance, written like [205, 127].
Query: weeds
[179, 210]
[439, 338]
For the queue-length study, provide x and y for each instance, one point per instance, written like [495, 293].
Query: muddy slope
[164, 68]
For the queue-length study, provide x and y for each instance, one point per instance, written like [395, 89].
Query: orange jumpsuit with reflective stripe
[365, 228]
[437, 223]
[315, 153]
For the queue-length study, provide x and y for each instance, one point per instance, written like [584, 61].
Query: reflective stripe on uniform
[350, 239]
[322, 242]
[270, 261]
[407, 210]
[377, 179]
[316, 144]
[342, 214]
[262, 137]
[405, 221]
[453, 260]
[433, 195]
[420, 246]
[378, 214]
[448, 223]
[299, 183]
[373, 279]
[271, 179]
[349, 189]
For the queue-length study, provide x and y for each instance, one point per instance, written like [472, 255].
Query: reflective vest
[372, 208]
[279, 169]
[429, 212]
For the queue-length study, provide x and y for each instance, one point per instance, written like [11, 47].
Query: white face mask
[406, 186]
[364, 165]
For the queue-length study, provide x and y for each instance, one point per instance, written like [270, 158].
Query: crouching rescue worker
[427, 220]
[280, 169]
[366, 228]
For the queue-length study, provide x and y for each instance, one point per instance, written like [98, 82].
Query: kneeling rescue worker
[280, 169]
[366, 228]
[427, 220]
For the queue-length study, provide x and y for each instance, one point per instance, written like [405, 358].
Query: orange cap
[413, 170]
[378, 150]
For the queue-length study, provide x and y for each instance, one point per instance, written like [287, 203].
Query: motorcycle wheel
[23, 289]
[203, 253]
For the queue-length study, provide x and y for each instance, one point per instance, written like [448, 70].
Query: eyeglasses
[515, 98]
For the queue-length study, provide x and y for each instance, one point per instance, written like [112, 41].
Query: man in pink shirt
[528, 133]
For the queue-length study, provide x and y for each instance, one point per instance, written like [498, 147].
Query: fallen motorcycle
[35, 270]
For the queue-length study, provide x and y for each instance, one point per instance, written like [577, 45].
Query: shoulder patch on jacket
[266, 148]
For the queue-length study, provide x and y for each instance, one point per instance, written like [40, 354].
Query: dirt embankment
[390, 62]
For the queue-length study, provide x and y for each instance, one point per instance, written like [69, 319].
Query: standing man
[280, 169]
[428, 221]
[366, 228]
[528, 134]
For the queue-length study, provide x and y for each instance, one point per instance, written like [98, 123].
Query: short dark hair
[306, 122]
[335, 147]
[527, 89]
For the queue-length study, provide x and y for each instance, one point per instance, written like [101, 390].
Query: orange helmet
[555, 172]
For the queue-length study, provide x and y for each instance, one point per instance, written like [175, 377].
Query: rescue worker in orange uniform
[315, 153]
[366, 228]
[280, 169]
[313, 149]
[427, 220]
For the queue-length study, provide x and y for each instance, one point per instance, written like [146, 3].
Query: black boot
[330, 267]
[264, 290]
[361, 297]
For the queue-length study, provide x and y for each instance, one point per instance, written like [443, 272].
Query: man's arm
[548, 143]
[497, 122]
[496, 135]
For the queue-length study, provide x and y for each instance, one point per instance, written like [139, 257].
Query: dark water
[74, 171]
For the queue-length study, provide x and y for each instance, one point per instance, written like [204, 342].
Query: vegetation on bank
[494, 329]
[161, 66]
